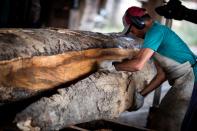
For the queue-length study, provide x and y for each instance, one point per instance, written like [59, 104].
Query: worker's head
[136, 20]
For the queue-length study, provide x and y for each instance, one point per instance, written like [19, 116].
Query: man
[175, 10]
[157, 38]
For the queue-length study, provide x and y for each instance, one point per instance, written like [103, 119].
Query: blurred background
[103, 16]
[92, 15]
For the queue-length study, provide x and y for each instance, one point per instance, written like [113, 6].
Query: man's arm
[155, 82]
[137, 63]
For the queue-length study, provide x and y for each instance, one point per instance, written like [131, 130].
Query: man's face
[137, 32]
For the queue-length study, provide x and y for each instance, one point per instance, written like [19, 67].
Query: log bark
[102, 95]
[46, 42]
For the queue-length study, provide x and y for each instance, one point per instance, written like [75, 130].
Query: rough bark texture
[43, 42]
[102, 95]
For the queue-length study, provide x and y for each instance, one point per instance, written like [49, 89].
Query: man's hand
[115, 64]
[138, 102]
[173, 10]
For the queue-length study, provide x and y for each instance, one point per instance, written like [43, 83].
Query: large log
[42, 59]
[37, 60]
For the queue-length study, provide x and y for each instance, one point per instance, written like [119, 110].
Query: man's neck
[149, 24]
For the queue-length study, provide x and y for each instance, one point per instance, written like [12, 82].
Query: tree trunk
[36, 60]
[33, 60]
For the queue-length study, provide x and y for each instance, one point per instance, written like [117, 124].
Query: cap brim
[125, 30]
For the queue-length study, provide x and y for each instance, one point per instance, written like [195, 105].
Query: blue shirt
[163, 40]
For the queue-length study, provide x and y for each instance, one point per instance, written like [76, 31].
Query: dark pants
[190, 119]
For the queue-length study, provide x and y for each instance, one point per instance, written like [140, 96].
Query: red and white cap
[133, 11]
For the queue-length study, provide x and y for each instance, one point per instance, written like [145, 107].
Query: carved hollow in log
[45, 72]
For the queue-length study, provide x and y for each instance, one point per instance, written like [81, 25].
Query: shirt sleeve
[153, 39]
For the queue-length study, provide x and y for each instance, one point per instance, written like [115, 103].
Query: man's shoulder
[156, 28]
[161, 28]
